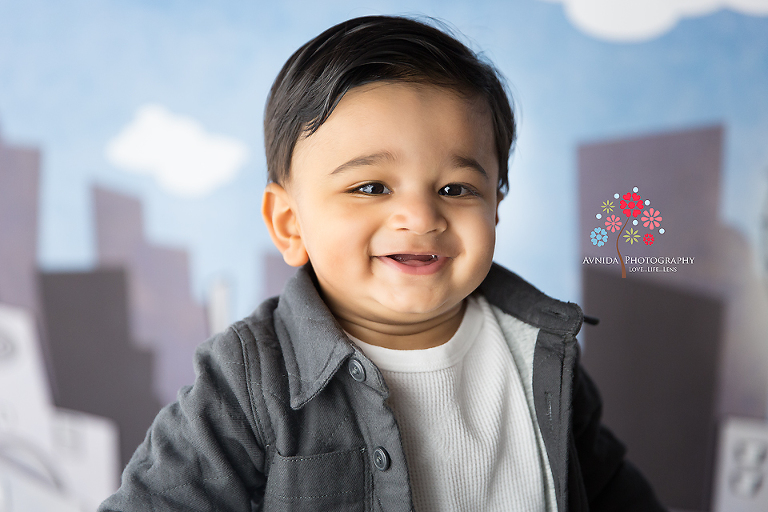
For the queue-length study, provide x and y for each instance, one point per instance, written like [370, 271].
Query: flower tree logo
[630, 208]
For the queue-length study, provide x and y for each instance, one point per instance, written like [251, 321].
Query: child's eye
[373, 189]
[456, 190]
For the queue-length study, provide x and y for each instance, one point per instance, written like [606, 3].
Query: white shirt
[468, 433]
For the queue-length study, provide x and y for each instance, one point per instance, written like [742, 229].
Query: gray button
[356, 370]
[381, 459]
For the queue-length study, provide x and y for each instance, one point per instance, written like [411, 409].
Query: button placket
[378, 426]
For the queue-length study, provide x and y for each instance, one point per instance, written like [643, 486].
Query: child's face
[394, 201]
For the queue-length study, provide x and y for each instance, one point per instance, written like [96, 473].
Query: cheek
[480, 235]
[488, 242]
[337, 237]
[481, 222]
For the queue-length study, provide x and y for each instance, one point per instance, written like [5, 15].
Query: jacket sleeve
[202, 452]
[601, 479]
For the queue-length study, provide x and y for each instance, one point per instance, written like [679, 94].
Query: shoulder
[207, 449]
[237, 366]
[241, 343]
[242, 339]
[515, 296]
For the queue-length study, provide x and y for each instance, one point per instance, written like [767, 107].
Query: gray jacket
[285, 414]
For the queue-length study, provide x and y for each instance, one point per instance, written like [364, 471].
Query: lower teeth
[402, 259]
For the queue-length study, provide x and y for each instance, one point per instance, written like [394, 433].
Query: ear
[283, 225]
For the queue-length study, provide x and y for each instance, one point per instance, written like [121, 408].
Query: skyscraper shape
[163, 315]
[19, 177]
[679, 173]
[98, 369]
[674, 351]
[51, 458]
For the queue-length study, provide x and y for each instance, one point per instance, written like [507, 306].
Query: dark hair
[372, 49]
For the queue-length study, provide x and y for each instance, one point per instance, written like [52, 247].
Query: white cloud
[177, 151]
[641, 20]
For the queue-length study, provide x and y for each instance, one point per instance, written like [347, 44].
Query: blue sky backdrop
[74, 74]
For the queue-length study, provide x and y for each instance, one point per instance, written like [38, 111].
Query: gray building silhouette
[19, 185]
[163, 315]
[675, 351]
[98, 368]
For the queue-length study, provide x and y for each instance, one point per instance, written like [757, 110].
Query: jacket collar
[314, 346]
[517, 297]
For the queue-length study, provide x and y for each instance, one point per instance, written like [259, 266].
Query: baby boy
[401, 369]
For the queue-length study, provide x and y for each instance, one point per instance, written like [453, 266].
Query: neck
[416, 336]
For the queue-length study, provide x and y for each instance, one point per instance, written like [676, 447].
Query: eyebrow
[362, 161]
[469, 163]
[375, 158]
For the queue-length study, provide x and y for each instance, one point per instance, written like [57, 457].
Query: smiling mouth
[414, 260]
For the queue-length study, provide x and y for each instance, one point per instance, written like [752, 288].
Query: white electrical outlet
[741, 482]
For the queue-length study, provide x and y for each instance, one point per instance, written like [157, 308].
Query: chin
[413, 309]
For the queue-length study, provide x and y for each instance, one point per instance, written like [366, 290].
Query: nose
[418, 213]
